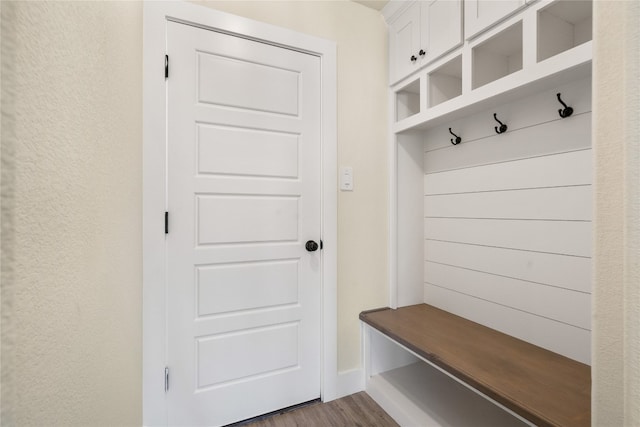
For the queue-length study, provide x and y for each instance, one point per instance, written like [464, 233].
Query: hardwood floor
[356, 410]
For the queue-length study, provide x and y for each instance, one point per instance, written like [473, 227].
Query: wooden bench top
[543, 387]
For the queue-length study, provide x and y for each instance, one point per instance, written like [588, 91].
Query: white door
[243, 198]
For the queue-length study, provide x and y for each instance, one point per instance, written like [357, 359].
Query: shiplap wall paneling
[558, 337]
[528, 142]
[539, 108]
[573, 169]
[507, 221]
[551, 203]
[562, 305]
[549, 269]
[551, 237]
[524, 137]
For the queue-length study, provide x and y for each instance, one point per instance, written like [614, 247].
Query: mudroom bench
[420, 359]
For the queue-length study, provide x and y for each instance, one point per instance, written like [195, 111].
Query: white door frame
[156, 15]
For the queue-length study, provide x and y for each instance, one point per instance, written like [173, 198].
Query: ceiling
[373, 4]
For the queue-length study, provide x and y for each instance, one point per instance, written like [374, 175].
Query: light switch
[346, 179]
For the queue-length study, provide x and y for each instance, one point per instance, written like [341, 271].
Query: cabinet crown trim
[394, 8]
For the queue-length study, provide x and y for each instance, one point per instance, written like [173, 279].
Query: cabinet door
[441, 27]
[481, 14]
[404, 43]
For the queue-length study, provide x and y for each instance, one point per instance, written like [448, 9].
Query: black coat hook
[458, 139]
[503, 127]
[567, 111]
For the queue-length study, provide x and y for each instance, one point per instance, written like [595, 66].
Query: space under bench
[426, 366]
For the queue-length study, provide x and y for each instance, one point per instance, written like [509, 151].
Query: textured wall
[72, 305]
[616, 304]
[361, 37]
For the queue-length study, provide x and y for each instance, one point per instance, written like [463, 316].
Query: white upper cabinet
[404, 43]
[422, 32]
[443, 29]
[482, 14]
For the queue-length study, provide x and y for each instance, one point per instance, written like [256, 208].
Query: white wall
[361, 37]
[616, 303]
[71, 288]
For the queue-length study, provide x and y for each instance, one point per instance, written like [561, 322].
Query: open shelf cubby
[408, 100]
[563, 25]
[445, 82]
[498, 56]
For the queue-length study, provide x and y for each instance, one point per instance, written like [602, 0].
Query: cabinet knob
[422, 52]
[413, 58]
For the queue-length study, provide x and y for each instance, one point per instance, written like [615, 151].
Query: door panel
[247, 218]
[276, 345]
[244, 196]
[248, 89]
[242, 151]
[253, 285]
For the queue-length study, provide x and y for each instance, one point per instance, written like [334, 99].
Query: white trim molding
[156, 16]
[394, 8]
[350, 382]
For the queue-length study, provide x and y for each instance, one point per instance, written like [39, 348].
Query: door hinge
[166, 379]
[166, 66]
[166, 223]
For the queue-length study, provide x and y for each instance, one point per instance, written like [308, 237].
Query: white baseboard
[347, 382]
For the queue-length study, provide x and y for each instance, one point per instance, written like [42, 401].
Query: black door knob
[311, 246]
[413, 58]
